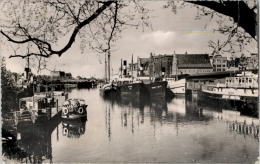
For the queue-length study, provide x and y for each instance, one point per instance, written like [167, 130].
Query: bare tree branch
[46, 47]
[238, 10]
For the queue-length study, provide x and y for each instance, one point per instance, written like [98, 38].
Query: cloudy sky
[170, 33]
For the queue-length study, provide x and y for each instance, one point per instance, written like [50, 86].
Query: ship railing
[245, 85]
[208, 87]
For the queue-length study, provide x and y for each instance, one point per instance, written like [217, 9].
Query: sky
[170, 33]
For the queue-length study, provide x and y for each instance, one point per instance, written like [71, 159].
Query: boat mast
[132, 68]
[105, 68]
[27, 70]
[108, 64]
[150, 63]
[121, 68]
[176, 78]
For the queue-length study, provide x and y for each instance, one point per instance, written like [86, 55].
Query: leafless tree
[235, 19]
[45, 23]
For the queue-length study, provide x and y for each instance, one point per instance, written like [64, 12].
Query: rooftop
[193, 61]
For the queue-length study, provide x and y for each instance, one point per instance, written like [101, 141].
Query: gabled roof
[193, 61]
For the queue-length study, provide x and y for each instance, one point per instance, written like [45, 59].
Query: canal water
[178, 130]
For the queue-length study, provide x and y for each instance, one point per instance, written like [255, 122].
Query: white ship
[243, 87]
[178, 87]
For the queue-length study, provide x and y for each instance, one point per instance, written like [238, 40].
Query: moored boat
[240, 88]
[178, 87]
[156, 90]
[74, 109]
[108, 89]
[129, 87]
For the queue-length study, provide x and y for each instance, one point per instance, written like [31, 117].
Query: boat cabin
[125, 81]
[245, 80]
[35, 103]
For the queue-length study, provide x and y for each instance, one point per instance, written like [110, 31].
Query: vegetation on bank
[10, 91]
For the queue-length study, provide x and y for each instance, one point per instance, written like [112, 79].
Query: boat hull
[177, 87]
[247, 105]
[108, 90]
[178, 91]
[156, 90]
[74, 116]
[227, 94]
[133, 89]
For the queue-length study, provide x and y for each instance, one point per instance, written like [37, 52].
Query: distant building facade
[252, 62]
[143, 66]
[68, 76]
[191, 64]
[60, 75]
[176, 64]
[157, 66]
[219, 63]
[161, 65]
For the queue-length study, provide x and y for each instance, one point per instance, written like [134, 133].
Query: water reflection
[136, 130]
[30, 143]
[73, 128]
[181, 111]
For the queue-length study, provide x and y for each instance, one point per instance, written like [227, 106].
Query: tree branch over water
[46, 47]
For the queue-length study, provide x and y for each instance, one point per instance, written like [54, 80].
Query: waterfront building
[60, 75]
[219, 63]
[191, 64]
[57, 74]
[68, 75]
[161, 65]
[143, 66]
[252, 62]
[157, 65]
[132, 67]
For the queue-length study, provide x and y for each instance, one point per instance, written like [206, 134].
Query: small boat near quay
[74, 109]
[32, 108]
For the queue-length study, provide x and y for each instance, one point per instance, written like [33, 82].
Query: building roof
[193, 61]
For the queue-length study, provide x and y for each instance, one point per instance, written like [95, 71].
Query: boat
[108, 89]
[152, 89]
[74, 109]
[129, 87]
[156, 90]
[240, 88]
[59, 96]
[178, 87]
[36, 108]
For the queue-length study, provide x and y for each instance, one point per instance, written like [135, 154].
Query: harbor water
[123, 130]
